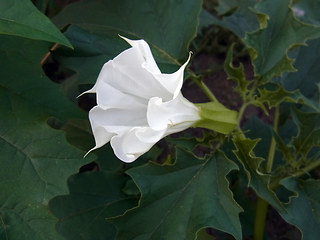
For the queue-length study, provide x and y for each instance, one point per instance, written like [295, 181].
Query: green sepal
[216, 117]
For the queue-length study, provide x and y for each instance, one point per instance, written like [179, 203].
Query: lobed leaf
[237, 16]
[274, 95]
[95, 36]
[306, 78]
[308, 131]
[179, 200]
[251, 163]
[307, 11]
[93, 197]
[236, 74]
[21, 73]
[303, 210]
[163, 24]
[35, 159]
[270, 44]
[35, 162]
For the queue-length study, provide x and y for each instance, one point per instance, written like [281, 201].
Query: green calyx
[216, 117]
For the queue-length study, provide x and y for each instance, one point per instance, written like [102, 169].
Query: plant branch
[272, 148]
[203, 87]
[262, 205]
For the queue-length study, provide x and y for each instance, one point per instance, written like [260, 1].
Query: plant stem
[262, 205]
[307, 169]
[272, 148]
[204, 88]
[260, 219]
[299, 173]
[241, 112]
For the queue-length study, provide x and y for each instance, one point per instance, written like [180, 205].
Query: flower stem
[203, 87]
[262, 205]
[207, 91]
[241, 112]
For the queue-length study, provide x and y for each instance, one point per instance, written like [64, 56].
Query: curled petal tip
[89, 152]
[126, 39]
[81, 94]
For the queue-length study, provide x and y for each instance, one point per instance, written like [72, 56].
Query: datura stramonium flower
[137, 105]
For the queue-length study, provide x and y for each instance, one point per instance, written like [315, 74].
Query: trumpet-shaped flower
[137, 105]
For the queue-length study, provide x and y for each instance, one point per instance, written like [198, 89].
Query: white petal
[173, 82]
[101, 137]
[110, 97]
[114, 120]
[132, 144]
[129, 76]
[160, 114]
[145, 51]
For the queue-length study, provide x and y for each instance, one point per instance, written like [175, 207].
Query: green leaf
[236, 74]
[307, 11]
[21, 72]
[93, 197]
[21, 18]
[92, 50]
[98, 42]
[274, 95]
[35, 162]
[216, 117]
[237, 16]
[179, 200]
[203, 235]
[303, 210]
[306, 78]
[251, 163]
[163, 24]
[269, 45]
[35, 159]
[308, 131]
[95, 36]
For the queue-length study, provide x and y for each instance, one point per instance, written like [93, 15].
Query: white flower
[137, 105]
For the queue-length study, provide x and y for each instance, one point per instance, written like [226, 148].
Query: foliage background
[186, 187]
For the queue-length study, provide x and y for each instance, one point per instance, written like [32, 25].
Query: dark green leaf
[307, 11]
[308, 131]
[93, 197]
[95, 36]
[303, 210]
[35, 159]
[21, 18]
[180, 199]
[203, 235]
[35, 162]
[275, 94]
[163, 24]
[236, 74]
[237, 16]
[270, 44]
[21, 72]
[307, 76]
[251, 163]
